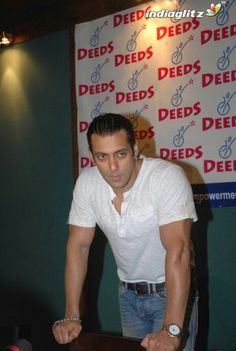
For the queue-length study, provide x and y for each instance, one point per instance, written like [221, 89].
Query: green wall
[36, 188]
[221, 241]
[36, 182]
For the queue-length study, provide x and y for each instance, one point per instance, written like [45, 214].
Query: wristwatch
[173, 330]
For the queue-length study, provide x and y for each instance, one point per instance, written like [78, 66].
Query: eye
[100, 157]
[121, 154]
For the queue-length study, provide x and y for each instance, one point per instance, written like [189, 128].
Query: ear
[136, 151]
[91, 156]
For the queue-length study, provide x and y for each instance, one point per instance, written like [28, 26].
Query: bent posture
[145, 208]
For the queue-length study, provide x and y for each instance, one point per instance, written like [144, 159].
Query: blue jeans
[144, 314]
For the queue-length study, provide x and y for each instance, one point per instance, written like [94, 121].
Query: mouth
[116, 178]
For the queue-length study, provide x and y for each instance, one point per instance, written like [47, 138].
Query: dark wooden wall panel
[29, 19]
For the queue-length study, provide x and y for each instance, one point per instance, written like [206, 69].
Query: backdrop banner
[172, 71]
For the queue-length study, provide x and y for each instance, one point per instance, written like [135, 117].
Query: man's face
[115, 159]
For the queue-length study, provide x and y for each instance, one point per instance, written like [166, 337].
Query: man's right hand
[66, 331]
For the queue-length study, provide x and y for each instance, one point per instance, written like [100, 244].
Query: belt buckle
[142, 288]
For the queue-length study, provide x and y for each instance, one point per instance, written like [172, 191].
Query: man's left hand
[160, 341]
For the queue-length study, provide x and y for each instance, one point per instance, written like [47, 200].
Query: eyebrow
[116, 152]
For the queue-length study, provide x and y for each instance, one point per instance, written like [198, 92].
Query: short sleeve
[174, 196]
[81, 213]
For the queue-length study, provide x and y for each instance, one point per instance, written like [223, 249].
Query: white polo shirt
[161, 194]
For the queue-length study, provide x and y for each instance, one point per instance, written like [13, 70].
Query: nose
[113, 164]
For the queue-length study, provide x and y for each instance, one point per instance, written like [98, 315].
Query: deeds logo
[213, 10]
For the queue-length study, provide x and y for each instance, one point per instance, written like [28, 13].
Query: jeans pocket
[121, 289]
[162, 293]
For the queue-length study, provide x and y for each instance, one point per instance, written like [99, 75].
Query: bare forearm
[177, 283]
[177, 286]
[76, 268]
[78, 245]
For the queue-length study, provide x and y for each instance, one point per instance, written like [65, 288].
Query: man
[145, 208]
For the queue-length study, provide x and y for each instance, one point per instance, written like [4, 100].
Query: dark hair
[108, 124]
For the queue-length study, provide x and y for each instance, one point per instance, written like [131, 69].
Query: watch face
[174, 329]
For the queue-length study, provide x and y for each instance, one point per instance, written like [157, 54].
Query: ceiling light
[6, 39]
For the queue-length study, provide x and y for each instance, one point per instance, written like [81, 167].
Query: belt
[142, 288]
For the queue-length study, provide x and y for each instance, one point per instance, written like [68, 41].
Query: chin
[116, 184]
